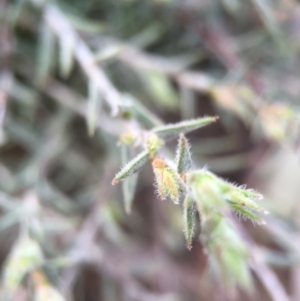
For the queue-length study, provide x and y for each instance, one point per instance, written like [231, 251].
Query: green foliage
[183, 156]
[128, 184]
[173, 130]
[132, 167]
[213, 197]
[189, 220]
[127, 68]
[226, 251]
[153, 143]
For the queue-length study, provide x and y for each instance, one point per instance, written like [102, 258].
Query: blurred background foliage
[75, 75]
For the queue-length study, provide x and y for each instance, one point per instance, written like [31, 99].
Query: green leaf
[46, 50]
[132, 167]
[183, 156]
[128, 184]
[227, 252]
[249, 193]
[108, 53]
[66, 57]
[189, 220]
[237, 271]
[239, 199]
[173, 130]
[246, 213]
[160, 87]
[271, 24]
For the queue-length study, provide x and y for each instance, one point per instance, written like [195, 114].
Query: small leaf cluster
[167, 180]
[200, 190]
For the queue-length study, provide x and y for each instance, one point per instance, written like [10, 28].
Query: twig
[62, 28]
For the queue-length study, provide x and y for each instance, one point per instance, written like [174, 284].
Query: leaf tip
[114, 181]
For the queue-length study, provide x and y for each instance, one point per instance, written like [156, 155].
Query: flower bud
[166, 180]
[153, 143]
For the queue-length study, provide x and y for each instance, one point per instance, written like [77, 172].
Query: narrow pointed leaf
[246, 213]
[173, 130]
[183, 156]
[66, 57]
[161, 89]
[229, 261]
[108, 53]
[240, 200]
[129, 184]
[189, 220]
[132, 167]
[271, 24]
[237, 269]
[46, 51]
[250, 193]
